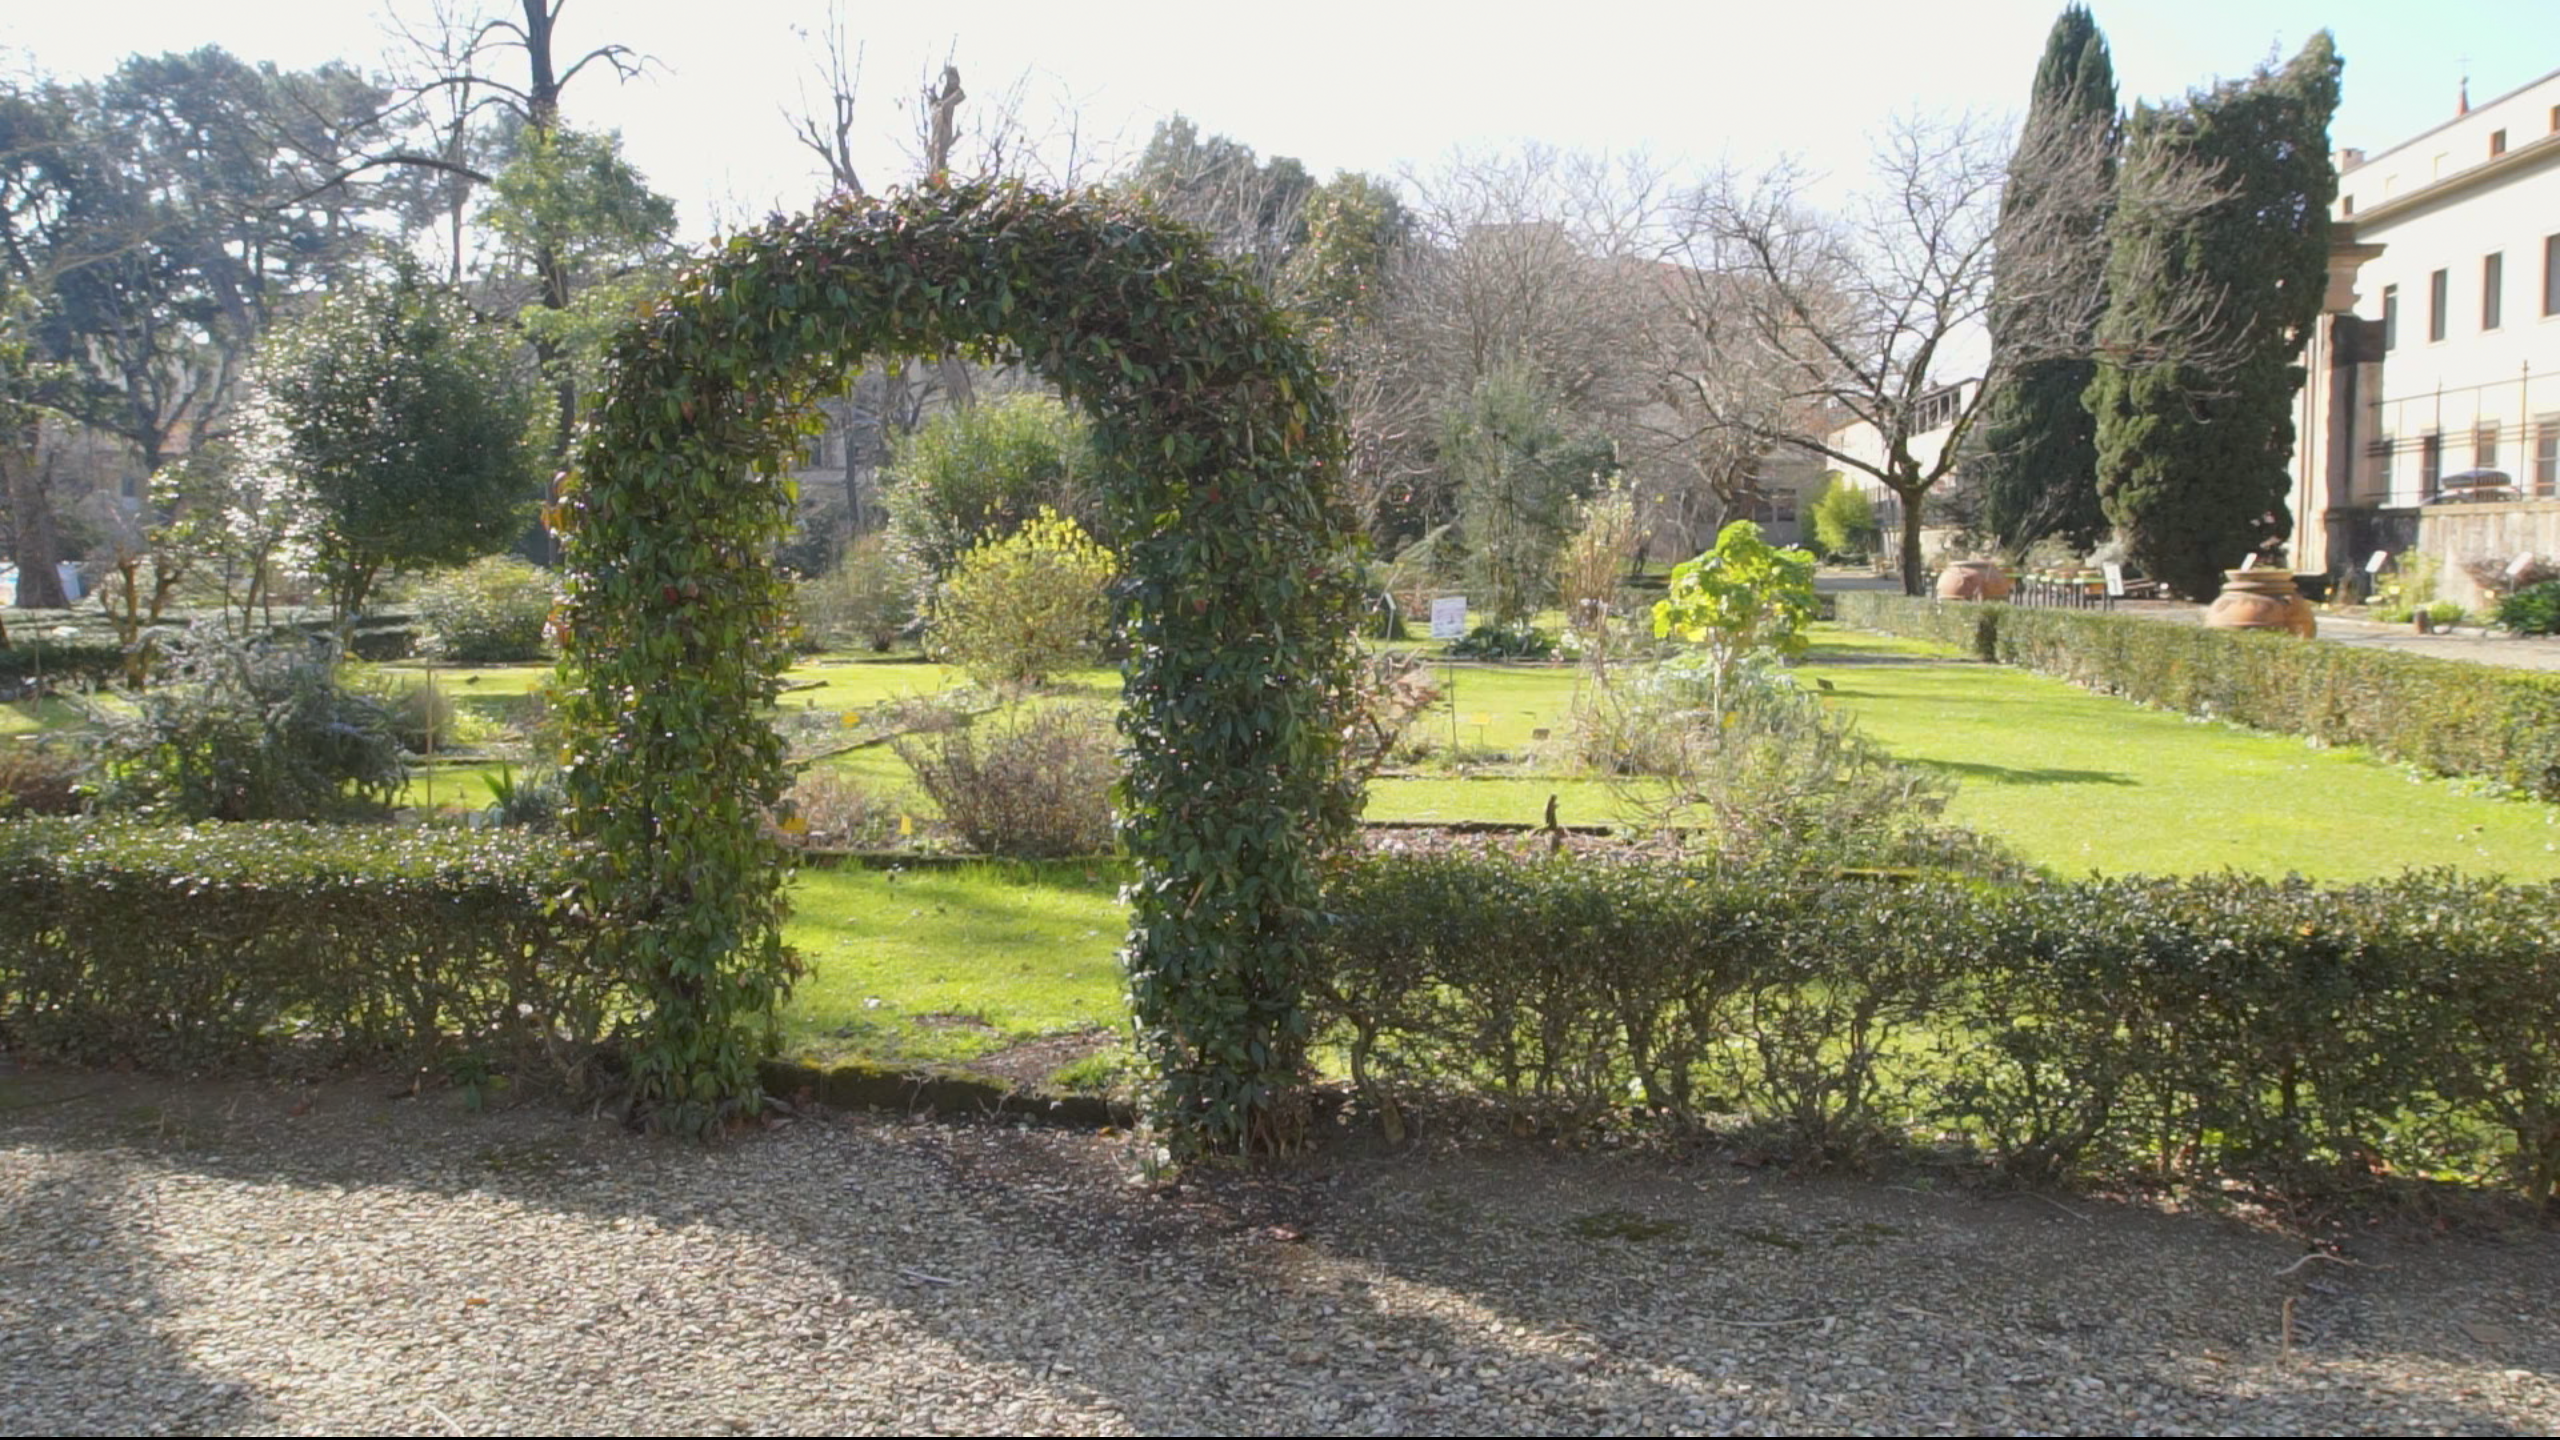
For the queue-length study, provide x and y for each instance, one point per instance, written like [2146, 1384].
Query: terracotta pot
[1973, 580]
[2261, 600]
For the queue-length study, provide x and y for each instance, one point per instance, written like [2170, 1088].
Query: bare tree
[994, 138]
[1541, 257]
[1876, 320]
[1720, 396]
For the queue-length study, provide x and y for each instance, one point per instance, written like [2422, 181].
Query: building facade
[2441, 357]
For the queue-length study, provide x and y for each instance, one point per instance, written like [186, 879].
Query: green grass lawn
[2076, 781]
[951, 962]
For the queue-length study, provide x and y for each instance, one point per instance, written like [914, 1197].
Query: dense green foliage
[979, 473]
[2137, 1029]
[490, 611]
[2451, 716]
[2195, 423]
[1520, 472]
[209, 945]
[1743, 597]
[250, 730]
[866, 598]
[2533, 610]
[1219, 447]
[1503, 642]
[2038, 466]
[1021, 607]
[410, 426]
[1844, 519]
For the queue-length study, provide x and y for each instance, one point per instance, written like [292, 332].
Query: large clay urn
[1973, 580]
[2261, 600]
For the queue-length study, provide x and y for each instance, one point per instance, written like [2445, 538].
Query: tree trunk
[39, 544]
[1913, 581]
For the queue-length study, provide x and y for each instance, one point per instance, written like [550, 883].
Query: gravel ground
[250, 1259]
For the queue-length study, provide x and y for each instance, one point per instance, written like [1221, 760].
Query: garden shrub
[1592, 571]
[1498, 642]
[491, 611]
[39, 779]
[2533, 610]
[980, 472]
[1844, 519]
[835, 810]
[1017, 610]
[528, 801]
[218, 945]
[2313, 1039]
[247, 730]
[867, 598]
[2449, 716]
[1743, 598]
[1034, 785]
[1761, 768]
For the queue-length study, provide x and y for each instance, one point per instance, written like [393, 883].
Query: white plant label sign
[2380, 559]
[2115, 578]
[1449, 618]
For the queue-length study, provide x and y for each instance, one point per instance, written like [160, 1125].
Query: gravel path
[250, 1259]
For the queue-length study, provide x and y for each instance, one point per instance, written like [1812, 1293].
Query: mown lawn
[946, 962]
[2077, 782]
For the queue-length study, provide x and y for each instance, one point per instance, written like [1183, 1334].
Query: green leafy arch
[1220, 447]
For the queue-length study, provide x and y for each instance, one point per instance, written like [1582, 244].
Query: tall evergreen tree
[2038, 470]
[2195, 423]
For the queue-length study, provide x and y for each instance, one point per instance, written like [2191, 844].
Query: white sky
[1372, 86]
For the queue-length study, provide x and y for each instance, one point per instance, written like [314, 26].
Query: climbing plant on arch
[1220, 448]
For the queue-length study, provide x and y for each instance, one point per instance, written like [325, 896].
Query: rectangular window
[2430, 465]
[2497, 143]
[2390, 318]
[2347, 204]
[2439, 291]
[2551, 274]
[2378, 459]
[2493, 287]
[2484, 445]
[2546, 457]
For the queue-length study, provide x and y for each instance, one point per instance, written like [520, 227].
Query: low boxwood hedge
[2451, 716]
[2310, 1038]
[215, 945]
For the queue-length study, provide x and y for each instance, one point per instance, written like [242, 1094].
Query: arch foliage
[1219, 448]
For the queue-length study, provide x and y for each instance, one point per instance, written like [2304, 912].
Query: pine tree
[2195, 424]
[2038, 470]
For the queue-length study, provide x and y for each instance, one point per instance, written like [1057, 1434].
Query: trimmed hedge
[2451, 716]
[2309, 1038]
[188, 946]
[92, 655]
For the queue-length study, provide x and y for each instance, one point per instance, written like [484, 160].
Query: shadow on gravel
[84, 1347]
[1504, 1289]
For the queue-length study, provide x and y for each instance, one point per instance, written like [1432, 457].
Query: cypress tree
[2195, 422]
[2038, 470]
